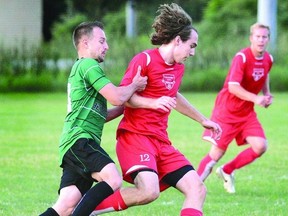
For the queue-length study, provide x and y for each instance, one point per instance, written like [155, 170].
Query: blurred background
[37, 51]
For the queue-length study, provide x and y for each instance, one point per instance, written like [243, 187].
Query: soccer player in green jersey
[81, 157]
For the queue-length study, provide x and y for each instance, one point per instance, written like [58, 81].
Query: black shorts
[80, 161]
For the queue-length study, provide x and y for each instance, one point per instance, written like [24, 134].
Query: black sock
[49, 212]
[92, 198]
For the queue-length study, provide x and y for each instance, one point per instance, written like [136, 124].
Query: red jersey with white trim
[163, 80]
[250, 73]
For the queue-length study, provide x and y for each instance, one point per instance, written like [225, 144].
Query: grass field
[30, 125]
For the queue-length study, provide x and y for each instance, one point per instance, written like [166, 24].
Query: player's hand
[264, 100]
[140, 81]
[269, 100]
[215, 129]
[165, 103]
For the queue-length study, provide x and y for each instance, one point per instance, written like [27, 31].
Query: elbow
[117, 103]
[231, 88]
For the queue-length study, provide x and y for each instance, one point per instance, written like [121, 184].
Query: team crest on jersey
[257, 73]
[168, 80]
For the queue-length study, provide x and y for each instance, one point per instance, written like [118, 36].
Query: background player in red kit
[234, 108]
[147, 157]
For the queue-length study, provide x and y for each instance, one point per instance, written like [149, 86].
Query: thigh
[86, 157]
[147, 181]
[170, 160]
[135, 152]
[172, 178]
[190, 183]
[251, 128]
[72, 178]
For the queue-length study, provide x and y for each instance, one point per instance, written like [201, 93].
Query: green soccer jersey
[87, 108]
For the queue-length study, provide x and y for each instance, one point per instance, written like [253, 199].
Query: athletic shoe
[228, 179]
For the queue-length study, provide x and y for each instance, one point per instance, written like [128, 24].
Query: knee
[261, 148]
[147, 196]
[201, 191]
[115, 182]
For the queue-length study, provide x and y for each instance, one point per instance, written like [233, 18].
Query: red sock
[190, 212]
[243, 158]
[114, 202]
[205, 167]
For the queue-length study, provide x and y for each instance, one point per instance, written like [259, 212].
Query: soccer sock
[49, 212]
[205, 167]
[92, 198]
[243, 158]
[190, 212]
[114, 202]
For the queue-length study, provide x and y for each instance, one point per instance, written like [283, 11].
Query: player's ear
[177, 40]
[84, 41]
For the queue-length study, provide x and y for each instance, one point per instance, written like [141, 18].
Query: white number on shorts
[144, 157]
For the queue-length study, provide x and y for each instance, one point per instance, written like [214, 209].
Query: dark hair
[85, 28]
[171, 21]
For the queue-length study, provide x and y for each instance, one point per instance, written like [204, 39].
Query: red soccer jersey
[251, 74]
[163, 80]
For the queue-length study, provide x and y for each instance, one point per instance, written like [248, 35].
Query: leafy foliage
[240, 13]
[223, 28]
[61, 46]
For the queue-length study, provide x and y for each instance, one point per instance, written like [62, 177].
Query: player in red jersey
[147, 157]
[234, 108]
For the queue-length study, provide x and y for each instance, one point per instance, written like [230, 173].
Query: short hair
[171, 21]
[259, 25]
[85, 28]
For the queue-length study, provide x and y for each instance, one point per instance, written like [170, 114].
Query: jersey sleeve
[237, 68]
[94, 75]
[141, 59]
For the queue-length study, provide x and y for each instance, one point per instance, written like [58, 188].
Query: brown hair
[171, 21]
[85, 28]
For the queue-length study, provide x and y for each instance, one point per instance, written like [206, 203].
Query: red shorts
[238, 131]
[136, 152]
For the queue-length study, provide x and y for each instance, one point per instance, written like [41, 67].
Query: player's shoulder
[145, 56]
[242, 54]
[88, 61]
[268, 56]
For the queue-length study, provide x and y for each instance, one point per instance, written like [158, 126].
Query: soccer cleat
[228, 179]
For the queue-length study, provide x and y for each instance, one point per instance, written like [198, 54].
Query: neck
[256, 53]
[166, 52]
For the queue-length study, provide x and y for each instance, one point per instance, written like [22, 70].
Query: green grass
[30, 126]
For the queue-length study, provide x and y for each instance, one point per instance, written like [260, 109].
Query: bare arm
[266, 87]
[184, 107]
[117, 96]
[165, 103]
[266, 92]
[243, 94]
[114, 112]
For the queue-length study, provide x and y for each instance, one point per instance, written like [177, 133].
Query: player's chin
[181, 61]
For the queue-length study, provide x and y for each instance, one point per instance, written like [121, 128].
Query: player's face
[259, 40]
[186, 49]
[97, 45]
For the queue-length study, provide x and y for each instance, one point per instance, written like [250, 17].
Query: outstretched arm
[184, 107]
